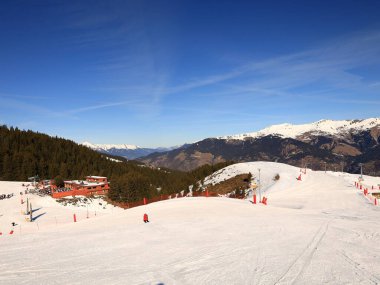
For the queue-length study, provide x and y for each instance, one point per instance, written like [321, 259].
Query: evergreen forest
[26, 153]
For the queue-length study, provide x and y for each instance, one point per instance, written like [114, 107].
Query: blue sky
[162, 73]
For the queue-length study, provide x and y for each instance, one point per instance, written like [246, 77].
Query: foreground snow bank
[316, 231]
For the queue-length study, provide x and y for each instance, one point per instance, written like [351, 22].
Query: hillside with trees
[26, 153]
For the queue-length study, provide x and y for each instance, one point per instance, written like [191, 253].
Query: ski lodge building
[93, 185]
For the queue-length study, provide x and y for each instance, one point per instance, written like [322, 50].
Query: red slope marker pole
[75, 218]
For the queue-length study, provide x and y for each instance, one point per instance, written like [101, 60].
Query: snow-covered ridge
[110, 146]
[125, 150]
[323, 127]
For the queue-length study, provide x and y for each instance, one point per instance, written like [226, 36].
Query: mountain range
[325, 143]
[126, 150]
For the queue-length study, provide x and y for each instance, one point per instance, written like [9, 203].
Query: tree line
[26, 153]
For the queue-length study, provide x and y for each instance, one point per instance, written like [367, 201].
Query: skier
[146, 218]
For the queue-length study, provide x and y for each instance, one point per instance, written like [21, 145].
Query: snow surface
[112, 159]
[322, 127]
[320, 230]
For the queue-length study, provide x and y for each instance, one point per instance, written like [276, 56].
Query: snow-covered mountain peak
[125, 150]
[110, 146]
[325, 127]
[88, 144]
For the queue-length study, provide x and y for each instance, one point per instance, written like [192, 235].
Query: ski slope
[320, 230]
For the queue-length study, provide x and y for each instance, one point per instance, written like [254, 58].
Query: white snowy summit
[322, 127]
[106, 147]
[125, 150]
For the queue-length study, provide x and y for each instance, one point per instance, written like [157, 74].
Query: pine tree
[26, 153]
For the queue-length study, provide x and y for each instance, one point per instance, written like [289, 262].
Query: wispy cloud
[100, 106]
[375, 84]
[352, 101]
[31, 97]
[30, 108]
[333, 64]
[326, 73]
[329, 69]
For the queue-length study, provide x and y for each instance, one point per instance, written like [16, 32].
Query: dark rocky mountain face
[346, 150]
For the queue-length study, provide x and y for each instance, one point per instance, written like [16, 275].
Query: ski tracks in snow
[258, 272]
[298, 266]
[359, 270]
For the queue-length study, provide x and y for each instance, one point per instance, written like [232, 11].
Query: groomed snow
[325, 127]
[320, 230]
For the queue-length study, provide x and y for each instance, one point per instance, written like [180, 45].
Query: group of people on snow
[6, 196]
